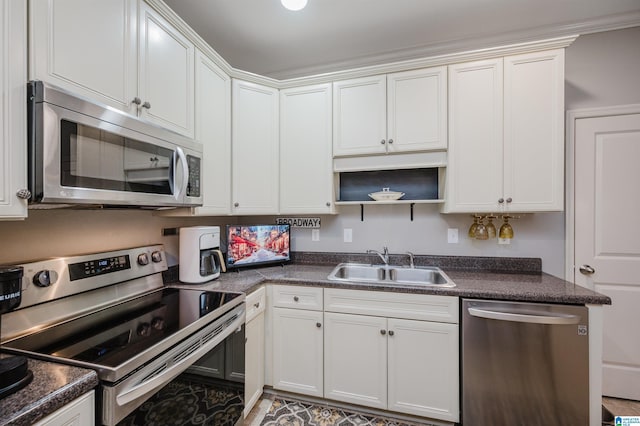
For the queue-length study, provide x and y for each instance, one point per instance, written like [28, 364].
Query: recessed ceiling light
[294, 4]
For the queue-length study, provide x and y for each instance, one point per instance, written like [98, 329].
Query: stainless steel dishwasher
[524, 364]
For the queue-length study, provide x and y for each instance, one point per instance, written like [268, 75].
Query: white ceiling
[262, 37]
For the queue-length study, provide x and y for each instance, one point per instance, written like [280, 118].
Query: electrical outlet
[348, 235]
[452, 235]
[315, 235]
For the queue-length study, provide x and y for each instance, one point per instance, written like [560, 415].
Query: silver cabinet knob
[296, 298]
[318, 325]
[146, 105]
[236, 204]
[500, 200]
[509, 200]
[382, 142]
[383, 332]
[256, 305]
[391, 333]
[136, 101]
[23, 194]
[328, 204]
[390, 141]
[586, 270]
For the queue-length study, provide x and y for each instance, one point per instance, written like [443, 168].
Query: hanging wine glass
[491, 228]
[481, 230]
[473, 227]
[506, 231]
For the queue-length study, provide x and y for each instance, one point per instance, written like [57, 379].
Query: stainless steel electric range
[111, 312]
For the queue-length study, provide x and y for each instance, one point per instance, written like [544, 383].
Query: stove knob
[143, 259]
[156, 257]
[144, 329]
[45, 278]
[158, 323]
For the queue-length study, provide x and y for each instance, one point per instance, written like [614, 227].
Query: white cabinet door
[534, 131]
[360, 116]
[474, 168]
[306, 174]
[213, 130]
[255, 133]
[298, 351]
[79, 412]
[13, 119]
[355, 365]
[87, 47]
[165, 85]
[417, 110]
[423, 369]
[254, 358]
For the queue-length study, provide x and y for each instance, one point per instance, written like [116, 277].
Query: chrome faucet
[411, 264]
[384, 255]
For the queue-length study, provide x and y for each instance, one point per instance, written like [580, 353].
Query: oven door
[121, 398]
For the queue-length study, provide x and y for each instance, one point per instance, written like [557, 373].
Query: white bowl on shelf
[386, 195]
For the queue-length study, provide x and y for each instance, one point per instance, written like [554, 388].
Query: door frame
[572, 116]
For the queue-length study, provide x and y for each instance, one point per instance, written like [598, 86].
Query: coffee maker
[14, 372]
[200, 257]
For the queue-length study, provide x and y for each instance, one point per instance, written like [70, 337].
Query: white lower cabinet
[79, 412]
[396, 352]
[298, 346]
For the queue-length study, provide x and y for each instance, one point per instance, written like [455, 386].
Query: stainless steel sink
[421, 276]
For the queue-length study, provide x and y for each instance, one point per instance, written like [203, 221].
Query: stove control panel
[94, 267]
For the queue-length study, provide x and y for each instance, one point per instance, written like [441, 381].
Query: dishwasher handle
[515, 316]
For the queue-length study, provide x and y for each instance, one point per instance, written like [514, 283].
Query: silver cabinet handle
[383, 332]
[146, 105]
[390, 141]
[382, 142]
[391, 333]
[136, 101]
[500, 200]
[296, 298]
[318, 325]
[23, 194]
[509, 200]
[553, 319]
[586, 270]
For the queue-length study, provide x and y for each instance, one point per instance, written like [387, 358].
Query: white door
[306, 173]
[607, 239]
[355, 365]
[297, 351]
[423, 368]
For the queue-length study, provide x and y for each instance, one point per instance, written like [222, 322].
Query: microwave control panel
[193, 186]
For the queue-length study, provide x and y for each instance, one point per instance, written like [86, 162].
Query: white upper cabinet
[400, 112]
[165, 84]
[417, 110]
[213, 130]
[255, 132]
[506, 144]
[13, 119]
[305, 150]
[118, 52]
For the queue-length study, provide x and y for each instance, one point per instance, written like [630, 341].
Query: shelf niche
[417, 184]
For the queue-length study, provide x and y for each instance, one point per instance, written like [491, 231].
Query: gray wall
[601, 69]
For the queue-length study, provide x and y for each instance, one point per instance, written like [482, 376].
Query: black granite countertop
[480, 278]
[53, 386]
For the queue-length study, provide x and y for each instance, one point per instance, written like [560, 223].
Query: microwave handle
[180, 193]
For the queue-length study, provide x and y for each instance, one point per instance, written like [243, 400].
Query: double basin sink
[389, 274]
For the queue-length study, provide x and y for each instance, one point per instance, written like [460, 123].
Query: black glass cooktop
[114, 335]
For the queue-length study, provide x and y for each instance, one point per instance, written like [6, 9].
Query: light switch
[348, 235]
[315, 235]
[452, 235]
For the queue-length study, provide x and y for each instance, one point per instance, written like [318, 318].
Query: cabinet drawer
[425, 307]
[297, 297]
[255, 303]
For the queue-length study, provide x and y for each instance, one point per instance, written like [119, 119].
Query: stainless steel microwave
[82, 152]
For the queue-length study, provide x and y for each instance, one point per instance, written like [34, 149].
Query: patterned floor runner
[294, 413]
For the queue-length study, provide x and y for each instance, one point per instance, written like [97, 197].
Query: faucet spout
[411, 264]
[384, 256]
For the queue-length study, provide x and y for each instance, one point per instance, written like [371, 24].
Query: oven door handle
[170, 373]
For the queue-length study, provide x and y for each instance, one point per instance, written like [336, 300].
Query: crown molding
[531, 40]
